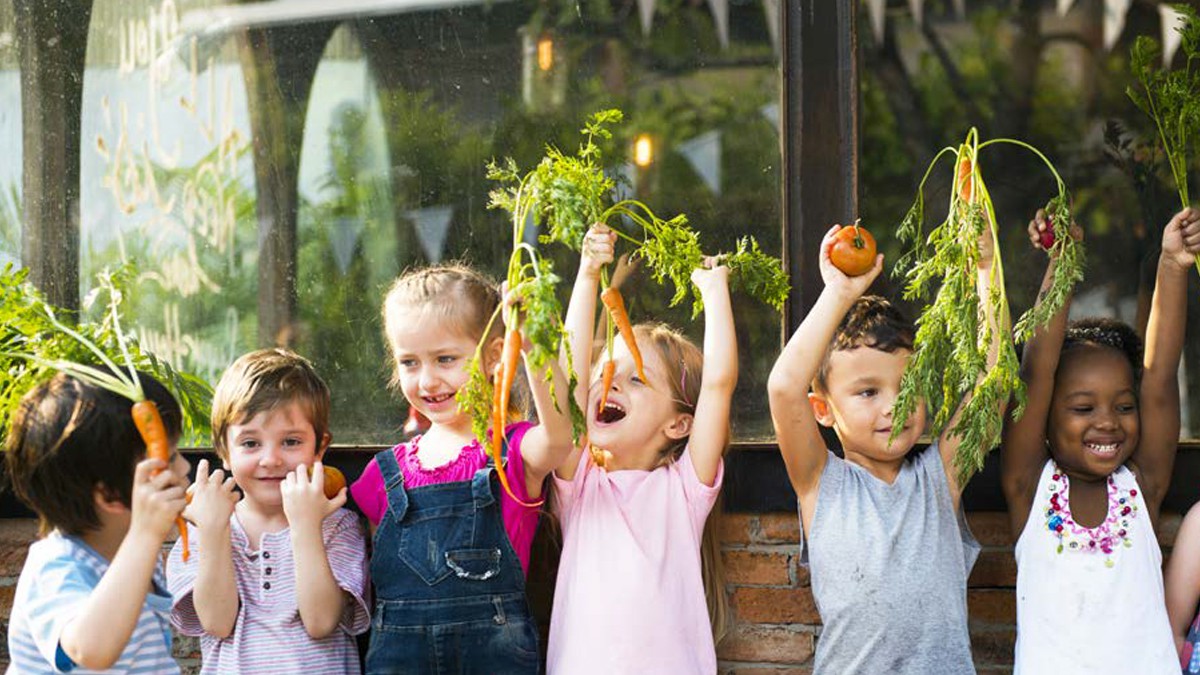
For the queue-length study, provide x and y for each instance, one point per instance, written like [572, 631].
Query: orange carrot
[965, 184]
[615, 304]
[606, 378]
[510, 357]
[150, 425]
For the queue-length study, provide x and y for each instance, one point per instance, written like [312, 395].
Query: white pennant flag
[703, 152]
[1064, 6]
[646, 12]
[432, 225]
[1114, 20]
[1173, 21]
[917, 7]
[720, 12]
[771, 112]
[344, 237]
[771, 9]
[875, 11]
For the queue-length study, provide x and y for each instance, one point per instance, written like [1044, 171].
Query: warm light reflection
[545, 53]
[643, 150]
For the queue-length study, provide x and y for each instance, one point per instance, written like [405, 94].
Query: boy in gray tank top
[888, 550]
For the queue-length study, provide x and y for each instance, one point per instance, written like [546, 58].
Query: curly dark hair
[872, 321]
[1106, 332]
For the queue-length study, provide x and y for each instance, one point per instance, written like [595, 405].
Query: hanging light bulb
[545, 52]
[643, 150]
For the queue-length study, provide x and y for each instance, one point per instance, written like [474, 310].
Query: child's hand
[1041, 232]
[304, 499]
[710, 276]
[212, 499]
[597, 250]
[157, 500]
[837, 280]
[624, 269]
[1181, 239]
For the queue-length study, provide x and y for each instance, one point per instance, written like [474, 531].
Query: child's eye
[407, 363]
[636, 380]
[292, 441]
[248, 444]
[1127, 408]
[868, 393]
[1081, 409]
[447, 360]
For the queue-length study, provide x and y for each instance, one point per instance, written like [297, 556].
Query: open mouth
[1102, 449]
[610, 413]
[435, 400]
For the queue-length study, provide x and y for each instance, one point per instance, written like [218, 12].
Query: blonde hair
[683, 365]
[262, 381]
[454, 293]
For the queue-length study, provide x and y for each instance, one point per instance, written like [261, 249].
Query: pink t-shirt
[520, 522]
[630, 596]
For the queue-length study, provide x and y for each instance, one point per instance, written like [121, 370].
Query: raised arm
[1158, 402]
[320, 600]
[795, 425]
[581, 315]
[710, 425]
[1023, 441]
[997, 330]
[214, 593]
[546, 446]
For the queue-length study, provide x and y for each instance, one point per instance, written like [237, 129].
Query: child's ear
[107, 500]
[491, 354]
[820, 407]
[324, 444]
[680, 426]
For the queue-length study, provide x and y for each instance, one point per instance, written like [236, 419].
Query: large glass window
[270, 166]
[10, 140]
[1023, 71]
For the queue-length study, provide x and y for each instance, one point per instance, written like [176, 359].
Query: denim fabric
[449, 589]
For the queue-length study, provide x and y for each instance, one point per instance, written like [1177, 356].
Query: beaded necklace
[1104, 538]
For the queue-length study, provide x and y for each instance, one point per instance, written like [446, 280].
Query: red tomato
[853, 251]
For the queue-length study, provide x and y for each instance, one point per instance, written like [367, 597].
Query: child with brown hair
[633, 594]
[91, 594]
[277, 581]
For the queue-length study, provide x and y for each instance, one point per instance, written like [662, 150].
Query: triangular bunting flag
[917, 7]
[646, 12]
[344, 237]
[771, 9]
[960, 9]
[1173, 21]
[771, 112]
[1064, 6]
[432, 225]
[703, 152]
[875, 11]
[1114, 20]
[720, 12]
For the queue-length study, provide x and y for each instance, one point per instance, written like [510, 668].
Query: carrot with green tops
[965, 181]
[615, 304]
[510, 358]
[606, 379]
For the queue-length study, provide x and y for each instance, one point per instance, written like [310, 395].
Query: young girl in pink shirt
[451, 548]
[630, 596]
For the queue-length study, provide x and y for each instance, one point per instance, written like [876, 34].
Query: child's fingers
[229, 485]
[339, 500]
[318, 476]
[146, 467]
[202, 472]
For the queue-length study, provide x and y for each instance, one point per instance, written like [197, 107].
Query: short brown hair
[262, 381]
[69, 437]
[453, 292]
[874, 322]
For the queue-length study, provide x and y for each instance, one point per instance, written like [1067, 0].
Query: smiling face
[1094, 422]
[861, 387]
[431, 366]
[268, 446]
[640, 419]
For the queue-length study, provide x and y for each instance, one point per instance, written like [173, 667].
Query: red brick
[991, 528]
[992, 606]
[7, 594]
[767, 644]
[993, 648]
[780, 528]
[15, 537]
[737, 528]
[994, 568]
[775, 605]
[758, 568]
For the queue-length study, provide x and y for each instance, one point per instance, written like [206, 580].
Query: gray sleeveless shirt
[889, 567]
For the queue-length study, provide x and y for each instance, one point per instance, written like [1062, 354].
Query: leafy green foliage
[1171, 98]
[31, 339]
[950, 368]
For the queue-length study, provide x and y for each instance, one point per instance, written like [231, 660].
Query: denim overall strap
[393, 479]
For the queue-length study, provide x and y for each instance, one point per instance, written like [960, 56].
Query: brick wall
[776, 624]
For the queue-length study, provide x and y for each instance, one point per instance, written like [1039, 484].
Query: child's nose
[270, 456]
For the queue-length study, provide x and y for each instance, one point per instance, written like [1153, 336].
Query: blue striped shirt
[59, 576]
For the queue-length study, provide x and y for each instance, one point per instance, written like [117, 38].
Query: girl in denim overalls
[451, 548]
[631, 595]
